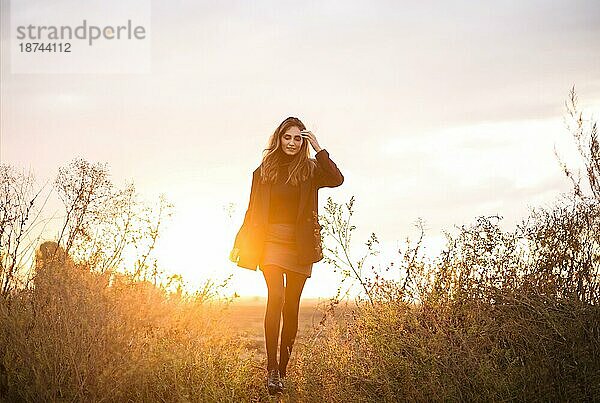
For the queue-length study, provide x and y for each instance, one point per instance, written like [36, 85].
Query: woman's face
[291, 141]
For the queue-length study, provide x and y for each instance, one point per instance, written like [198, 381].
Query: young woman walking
[281, 233]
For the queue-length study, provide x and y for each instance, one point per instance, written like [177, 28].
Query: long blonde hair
[301, 166]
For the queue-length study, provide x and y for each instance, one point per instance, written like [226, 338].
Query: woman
[281, 232]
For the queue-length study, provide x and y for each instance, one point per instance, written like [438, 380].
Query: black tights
[286, 299]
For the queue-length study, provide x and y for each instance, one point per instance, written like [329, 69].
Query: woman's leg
[293, 290]
[274, 278]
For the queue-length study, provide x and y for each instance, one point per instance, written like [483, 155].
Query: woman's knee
[294, 286]
[274, 279]
[277, 297]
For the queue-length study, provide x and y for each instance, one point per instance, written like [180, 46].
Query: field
[518, 330]
[247, 315]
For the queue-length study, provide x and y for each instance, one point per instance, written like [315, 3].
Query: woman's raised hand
[308, 135]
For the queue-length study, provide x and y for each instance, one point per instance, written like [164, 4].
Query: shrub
[80, 335]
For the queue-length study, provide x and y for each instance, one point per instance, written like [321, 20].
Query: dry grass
[487, 321]
[72, 337]
[455, 352]
[483, 322]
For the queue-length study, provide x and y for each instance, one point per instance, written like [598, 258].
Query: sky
[438, 110]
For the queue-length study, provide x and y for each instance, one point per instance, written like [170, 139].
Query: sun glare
[196, 244]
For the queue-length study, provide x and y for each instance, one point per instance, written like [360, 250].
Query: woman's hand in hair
[308, 135]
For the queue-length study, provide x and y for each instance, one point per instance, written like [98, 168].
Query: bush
[82, 336]
[498, 316]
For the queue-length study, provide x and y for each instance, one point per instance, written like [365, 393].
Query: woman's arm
[327, 173]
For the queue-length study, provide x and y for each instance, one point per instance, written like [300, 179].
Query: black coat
[250, 238]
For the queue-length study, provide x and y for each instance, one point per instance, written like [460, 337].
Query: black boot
[283, 360]
[274, 383]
